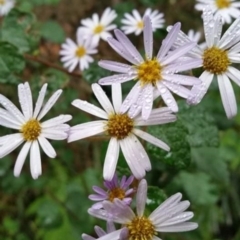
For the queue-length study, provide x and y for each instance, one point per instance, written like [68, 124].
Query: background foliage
[204, 163]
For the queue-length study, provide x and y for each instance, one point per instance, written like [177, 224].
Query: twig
[51, 65]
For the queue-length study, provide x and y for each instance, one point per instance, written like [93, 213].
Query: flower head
[217, 60]
[121, 129]
[115, 189]
[170, 216]
[99, 28]
[31, 130]
[228, 9]
[100, 232]
[77, 54]
[134, 23]
[153, 73]
[6, 6]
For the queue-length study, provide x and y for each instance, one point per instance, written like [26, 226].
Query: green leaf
[52, 31]
[175, 135]
[200, 124]
[15, 28]
[210, 161]
[11, 63]
[198, 187]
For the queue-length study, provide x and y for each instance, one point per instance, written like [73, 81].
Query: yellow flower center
[119, 125]
[2, 2]
[98, 29]
[223, 3]
[80, 52]
[215, 60]
[31, 130]
[149, 72]
[141, 228]
[140, 25]
[116, 193]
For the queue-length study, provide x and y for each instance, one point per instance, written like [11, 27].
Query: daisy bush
[119, 120]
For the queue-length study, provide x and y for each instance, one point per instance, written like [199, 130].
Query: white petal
[102, 98]
[90, 108]
[141, 197]
[40, 99]
[181, 79]
[86, 130]
[12, 143]
[117, 96]
[114, 66]
[49, 104]
[56, 121]
[147, 101]
[21, 159]
[35, 160]
[47, 147]
[130, 155]
[117, 78]
[54, 134]
[111, 159]
[149, 138]
[234, 74]
[11, 108]
[227, 95]
[23, 100]
[148, 37]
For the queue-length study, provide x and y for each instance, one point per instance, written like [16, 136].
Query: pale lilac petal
[148, 37]
[87, 237]
[141, 197]
[24, 101]
[184, 65]
[147, 101]
[179, 218]
[90, 108]
[47, 147]
[35, 160]
[227, 95]
[52, 100]
[182, 227]
[111, 159]
[40, 99]
[12, 143]
[99, 231]
[127, 44]
[115, 66]
[168, 41]
[117, 78]
[110, 236]
[117, 96]
[131, 97]
[21, 159]
[102, 98]
[95, 197]
[99, 190]
[149, 138]
[181, 79]
[110, 227]
[167, 97]
[234, 74]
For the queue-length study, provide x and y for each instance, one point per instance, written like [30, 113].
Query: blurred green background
[204, 163]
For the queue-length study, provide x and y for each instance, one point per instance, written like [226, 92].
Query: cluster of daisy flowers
[163, 74]
[97, 28]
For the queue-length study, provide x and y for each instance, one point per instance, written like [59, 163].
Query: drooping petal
[21, 159]
[111, 159]
[227, 95]
[35, 160]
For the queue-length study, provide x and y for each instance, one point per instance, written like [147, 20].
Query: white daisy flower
[226, 8]
[6, 6]
[99, 28]
[121, 129]
[134, 23]
[77, 54]
[217, 60]
[170, 216]
[31, 130]
[154, 73]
